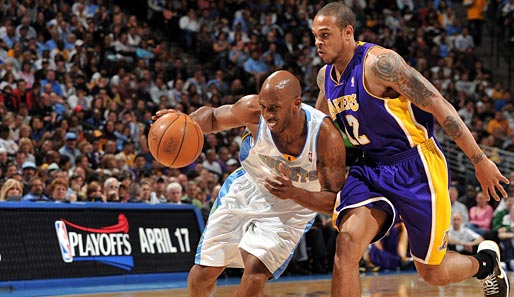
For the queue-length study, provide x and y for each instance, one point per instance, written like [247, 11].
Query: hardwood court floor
[388, 285]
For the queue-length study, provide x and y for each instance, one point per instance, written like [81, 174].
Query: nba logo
[310, 156]
[353, 81]
[236, 189]
[64, 243]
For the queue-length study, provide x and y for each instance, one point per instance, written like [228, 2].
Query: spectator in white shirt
[462, 239]
[457, 206]
[189, 26]
[463, 41]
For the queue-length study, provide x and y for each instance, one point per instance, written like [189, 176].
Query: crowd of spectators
[80, 81]
[474, 220]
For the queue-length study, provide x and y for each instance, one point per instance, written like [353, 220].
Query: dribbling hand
[162, 112]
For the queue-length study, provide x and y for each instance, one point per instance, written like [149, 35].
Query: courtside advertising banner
[42, 241]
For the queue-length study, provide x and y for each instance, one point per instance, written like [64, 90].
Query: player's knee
[255, 280]
[348, 248]
[433, 275]
[204, 274]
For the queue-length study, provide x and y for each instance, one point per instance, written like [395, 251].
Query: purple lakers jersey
[378, 126]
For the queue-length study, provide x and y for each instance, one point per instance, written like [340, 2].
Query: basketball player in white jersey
[293, 168]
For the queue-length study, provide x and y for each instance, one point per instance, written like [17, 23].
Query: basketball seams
[162, 137]
[181, 142]
[200, 139]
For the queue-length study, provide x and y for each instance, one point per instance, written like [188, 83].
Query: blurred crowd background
[80, 81]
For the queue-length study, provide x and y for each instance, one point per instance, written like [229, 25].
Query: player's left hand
[489, 178]
[280, 185]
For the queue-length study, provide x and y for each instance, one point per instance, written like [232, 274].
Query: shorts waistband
[428, 145]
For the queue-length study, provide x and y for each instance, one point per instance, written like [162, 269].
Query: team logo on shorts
[109, 245]
[444, 244]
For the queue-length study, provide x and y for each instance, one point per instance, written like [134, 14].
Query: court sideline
[374, 285]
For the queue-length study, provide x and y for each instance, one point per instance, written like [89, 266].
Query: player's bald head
[281, 84]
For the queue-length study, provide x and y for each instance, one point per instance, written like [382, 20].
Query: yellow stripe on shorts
[437, 174]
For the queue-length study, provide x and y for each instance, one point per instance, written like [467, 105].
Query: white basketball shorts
[246, 216]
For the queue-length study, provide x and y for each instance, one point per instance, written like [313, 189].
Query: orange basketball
[175, 140]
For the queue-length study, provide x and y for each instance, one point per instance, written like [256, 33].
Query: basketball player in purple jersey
[387, 109]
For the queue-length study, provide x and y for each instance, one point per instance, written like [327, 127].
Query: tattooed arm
[385, 69]
[391, 71]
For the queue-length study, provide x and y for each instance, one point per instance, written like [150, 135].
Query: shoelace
[490, 285]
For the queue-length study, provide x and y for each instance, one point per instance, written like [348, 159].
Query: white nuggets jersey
[264, 157]
[246, 216]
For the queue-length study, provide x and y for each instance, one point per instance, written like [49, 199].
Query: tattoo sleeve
[390, 67]
[453, 127]
[477, 157]
[333, 169]
[327, 184]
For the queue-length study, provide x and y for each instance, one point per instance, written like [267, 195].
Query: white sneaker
[495, 284]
